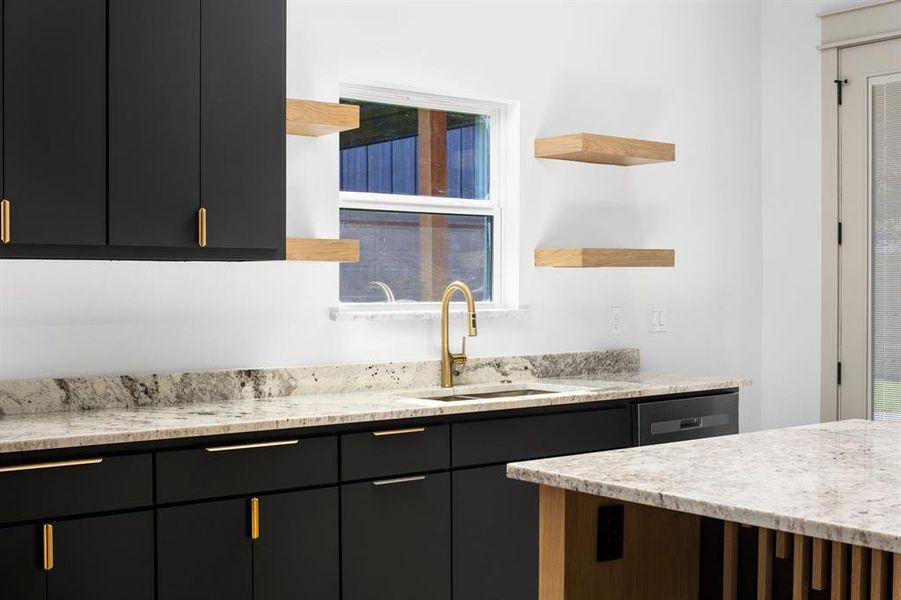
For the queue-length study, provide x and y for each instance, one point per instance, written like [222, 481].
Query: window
[424, 189]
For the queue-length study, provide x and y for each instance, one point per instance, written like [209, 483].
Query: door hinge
[839, 83]
[838, 373]
[839, 233]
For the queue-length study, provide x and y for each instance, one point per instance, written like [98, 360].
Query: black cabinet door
[243, 122]
[204, 552]
[495, 533]
[21, 558]
[154, 122]
[296, 555]
[395, 538]
[54, 121]
[103, 558]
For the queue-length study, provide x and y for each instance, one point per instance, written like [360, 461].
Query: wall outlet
[615, 317]
[657, 318]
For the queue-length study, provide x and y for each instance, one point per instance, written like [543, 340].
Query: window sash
[406, 203]
[490, 206]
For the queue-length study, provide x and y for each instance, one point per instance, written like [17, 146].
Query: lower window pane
[411, 257]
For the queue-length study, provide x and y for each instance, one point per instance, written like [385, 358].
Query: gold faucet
[449, 359]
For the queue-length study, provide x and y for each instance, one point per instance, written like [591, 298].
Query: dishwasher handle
[686, 424]
[692, 423]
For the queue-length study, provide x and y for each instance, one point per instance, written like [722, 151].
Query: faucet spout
[449, 359]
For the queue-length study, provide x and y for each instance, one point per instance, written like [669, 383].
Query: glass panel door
[885, 271]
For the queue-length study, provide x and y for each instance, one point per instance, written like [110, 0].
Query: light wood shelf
[312, 118]
[604, 149]
[320, 249]
[604, 257]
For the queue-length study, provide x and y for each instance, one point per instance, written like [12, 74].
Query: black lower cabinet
[495, 536]
[98, 558]
[21, 574]
[395, 537]
[103, 558]
[296, 555]
[205, 551]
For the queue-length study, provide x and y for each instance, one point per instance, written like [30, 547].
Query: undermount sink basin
[489, 395]
[475, 393]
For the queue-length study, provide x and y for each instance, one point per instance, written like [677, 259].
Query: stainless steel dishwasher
[685, 418]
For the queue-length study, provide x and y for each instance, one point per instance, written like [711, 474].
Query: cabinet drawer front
[395, 451]
[396, 539]
[522, 438]
[224, 470]
[70, 487]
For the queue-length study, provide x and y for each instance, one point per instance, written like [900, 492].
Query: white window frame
[502, 203]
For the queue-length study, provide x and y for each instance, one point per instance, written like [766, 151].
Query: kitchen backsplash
[84, 393]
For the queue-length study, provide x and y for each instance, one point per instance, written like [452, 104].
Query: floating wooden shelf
[604, 257]
[604, 149]
[322, 249]
[309, 117]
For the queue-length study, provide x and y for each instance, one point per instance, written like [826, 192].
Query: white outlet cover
[615, 318]
[657, 318]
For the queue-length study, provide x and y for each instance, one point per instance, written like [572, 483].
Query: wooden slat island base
[670, 555]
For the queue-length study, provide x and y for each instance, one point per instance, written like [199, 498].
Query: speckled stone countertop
[68, 429]
[836, 481]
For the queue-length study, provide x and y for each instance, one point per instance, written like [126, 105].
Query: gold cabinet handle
[48, 547]
[398, 431]
[4, 221]
[254, 518]
[251, 446]
[51, 465]
[201, 227]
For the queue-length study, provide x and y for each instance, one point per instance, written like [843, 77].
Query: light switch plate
[657, 318]
[615, 317]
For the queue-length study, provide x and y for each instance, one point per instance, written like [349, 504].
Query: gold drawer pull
[251, 446]
[48, 547]
[201, 228]
[51, 465]
[399, 480]
[254, 518]
[4, 221]
[398, 431]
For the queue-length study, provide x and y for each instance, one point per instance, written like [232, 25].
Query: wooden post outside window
[433, 242]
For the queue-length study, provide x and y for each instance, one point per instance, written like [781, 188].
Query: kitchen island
[810, 511]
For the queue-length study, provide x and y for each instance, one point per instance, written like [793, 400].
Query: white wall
[688, 72]
[791, 200]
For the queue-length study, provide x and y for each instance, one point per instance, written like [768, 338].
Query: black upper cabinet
[103, 558]
[110, 152]
[54, 121]
[154, 122]
[242, 136]
[20, 568]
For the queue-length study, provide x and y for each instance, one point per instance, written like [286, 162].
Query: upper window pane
[416, 151]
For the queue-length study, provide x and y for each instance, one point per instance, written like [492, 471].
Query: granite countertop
[68, 429]
[837, 481]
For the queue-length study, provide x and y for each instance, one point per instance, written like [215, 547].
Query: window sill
[338, 314]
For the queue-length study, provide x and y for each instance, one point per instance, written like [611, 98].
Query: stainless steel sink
[487, 392]
[490, 395]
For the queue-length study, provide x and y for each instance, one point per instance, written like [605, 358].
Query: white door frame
[864, 24]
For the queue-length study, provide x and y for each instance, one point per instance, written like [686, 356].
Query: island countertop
[837, 481]
[57, 430]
